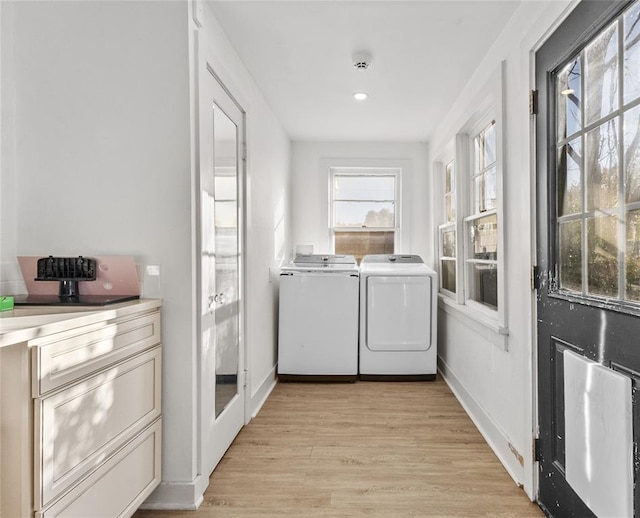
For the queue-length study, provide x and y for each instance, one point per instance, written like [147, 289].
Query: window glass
[355, 187]
[364, 211]
[448, 275]
[483, 284]
[484, 175]
[449, 192]
[484, 238]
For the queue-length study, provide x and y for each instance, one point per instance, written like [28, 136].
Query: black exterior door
[588, 224]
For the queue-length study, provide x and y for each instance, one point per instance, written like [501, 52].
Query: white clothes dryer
[398, 318]
[318, 321]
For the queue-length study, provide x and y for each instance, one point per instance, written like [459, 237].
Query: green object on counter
[6, 303]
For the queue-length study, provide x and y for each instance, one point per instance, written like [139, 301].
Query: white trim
[173, 496]
[261, 394]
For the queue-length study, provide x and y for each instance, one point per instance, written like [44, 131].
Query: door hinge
[537, 450]
[533, 102]
[535, 279]
[244, 151]
[246, 378]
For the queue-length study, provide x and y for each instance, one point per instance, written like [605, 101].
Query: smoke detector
[361, 60]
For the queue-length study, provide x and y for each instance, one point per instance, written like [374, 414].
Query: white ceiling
[300, 55]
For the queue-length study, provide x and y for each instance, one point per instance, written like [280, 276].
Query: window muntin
[598, 165]
[364, 211]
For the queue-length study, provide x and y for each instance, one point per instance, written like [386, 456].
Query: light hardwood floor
[366, 449]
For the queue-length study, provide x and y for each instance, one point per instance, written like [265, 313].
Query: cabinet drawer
[79, 427]
[68, 356]
[119, 486]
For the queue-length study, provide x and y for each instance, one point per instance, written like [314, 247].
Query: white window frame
[489, 106]
[359, 171]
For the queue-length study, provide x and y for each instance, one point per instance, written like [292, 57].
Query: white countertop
[27, 322]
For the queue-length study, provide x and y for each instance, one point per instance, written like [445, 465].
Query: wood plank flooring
[367, 449]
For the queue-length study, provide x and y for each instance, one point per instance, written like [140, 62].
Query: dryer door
[399, 313]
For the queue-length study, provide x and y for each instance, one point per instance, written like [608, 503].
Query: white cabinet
[91, 406]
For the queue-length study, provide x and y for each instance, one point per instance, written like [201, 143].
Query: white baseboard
[259, 396]
[177, 495]
[491, 432]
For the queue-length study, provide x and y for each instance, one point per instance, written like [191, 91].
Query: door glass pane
[226, 260]
[448, 274]
[601, 163]
[631, 34]
[484, 238]
[602, 256]
[602, 75]
[569, 99]
[362, 187]
[362, 214]
[632, 258]
[570, 248]
[632, 154]
[570, 178]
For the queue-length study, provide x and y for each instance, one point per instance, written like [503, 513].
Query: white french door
[220, 244]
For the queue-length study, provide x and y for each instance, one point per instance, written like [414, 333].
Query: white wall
[10, 278]
[495, 385]
[102, 159]
[98, 158]
[310, 189]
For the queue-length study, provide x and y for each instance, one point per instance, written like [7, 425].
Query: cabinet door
[79, 427]
[120, 485]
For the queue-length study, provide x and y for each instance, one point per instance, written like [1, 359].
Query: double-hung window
[364, 210]
[481, 225]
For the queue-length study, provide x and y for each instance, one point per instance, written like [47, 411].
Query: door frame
[205, 62]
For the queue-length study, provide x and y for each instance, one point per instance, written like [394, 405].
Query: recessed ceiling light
[360, 96]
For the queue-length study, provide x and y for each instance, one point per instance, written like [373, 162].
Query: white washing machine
[398, 317]
[318, 321]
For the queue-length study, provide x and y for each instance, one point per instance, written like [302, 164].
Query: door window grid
[598, 165]
[364, 210]
[447, 233]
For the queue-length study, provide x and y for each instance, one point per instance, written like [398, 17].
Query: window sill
[479, 322]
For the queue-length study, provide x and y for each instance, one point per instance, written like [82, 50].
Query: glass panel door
[222, 387]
